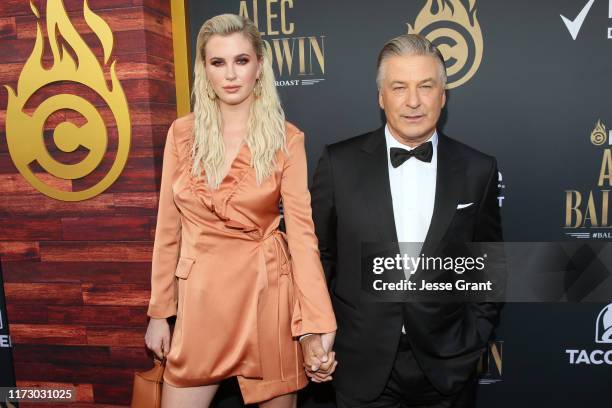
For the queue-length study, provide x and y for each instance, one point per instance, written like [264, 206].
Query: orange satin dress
[242, 290]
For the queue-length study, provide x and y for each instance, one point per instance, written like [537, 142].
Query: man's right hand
[157, 338]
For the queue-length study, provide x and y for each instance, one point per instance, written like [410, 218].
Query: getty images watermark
[407, 272]
[410, 265]
[566, 271]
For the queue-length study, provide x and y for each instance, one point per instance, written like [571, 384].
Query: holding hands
[319, 361]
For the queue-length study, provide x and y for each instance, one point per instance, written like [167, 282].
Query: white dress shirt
[413, 190]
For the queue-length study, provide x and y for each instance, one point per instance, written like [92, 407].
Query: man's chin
[414, 136]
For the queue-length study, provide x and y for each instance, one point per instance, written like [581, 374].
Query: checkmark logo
[573, 26]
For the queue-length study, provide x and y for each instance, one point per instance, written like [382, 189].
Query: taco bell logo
[603, 335]
[603, 326]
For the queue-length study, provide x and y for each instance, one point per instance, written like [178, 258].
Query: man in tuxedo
[404, 182]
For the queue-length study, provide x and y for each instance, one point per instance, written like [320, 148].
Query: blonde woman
[244, 293]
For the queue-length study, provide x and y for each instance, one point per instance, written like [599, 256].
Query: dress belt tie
[283, 257]
[278, 237]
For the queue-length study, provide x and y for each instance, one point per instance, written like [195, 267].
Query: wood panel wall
[77, 273]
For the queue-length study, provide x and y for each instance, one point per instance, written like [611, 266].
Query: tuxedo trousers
[408, 387]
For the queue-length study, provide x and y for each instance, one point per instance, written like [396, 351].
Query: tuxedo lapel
[376, 187]
[449, 181]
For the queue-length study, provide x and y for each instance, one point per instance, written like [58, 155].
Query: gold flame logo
[24, 132]
[455, 30]
[598, 135]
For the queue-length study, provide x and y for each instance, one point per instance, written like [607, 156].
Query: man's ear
[380, 100]
[443, 98]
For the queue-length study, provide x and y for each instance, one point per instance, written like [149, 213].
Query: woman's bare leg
[283, 401]
[188, 397]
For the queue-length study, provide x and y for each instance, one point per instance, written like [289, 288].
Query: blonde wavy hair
[266, 125]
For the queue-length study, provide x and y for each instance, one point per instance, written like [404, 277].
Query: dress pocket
[183, 268]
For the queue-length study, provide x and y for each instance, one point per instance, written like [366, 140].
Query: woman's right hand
[157, 338]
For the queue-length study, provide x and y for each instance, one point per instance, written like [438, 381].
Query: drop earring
[258, 88]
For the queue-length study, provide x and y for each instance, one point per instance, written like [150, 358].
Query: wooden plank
[126, 42]
[19, 313]
[113, 394]
[16, 184]
[52, 251]
[141, 65]
[135, 203]
[133, 178]
[48, 334]
[77, 272]
[6, 163]
[97, 315]
[153, 114]
[25, 229]
[111, 336]
[19, 251]
[70, 373]
[97, 5]
[131, 66]
[105, 228]
[14, 8]
[156, 22]
[160, 46]
[137, 357]
[43, 293]
[160, 6]
[64, 354]
[130, 358]
[118, 19]
[39, 205]
[7, 28]
[115, 295]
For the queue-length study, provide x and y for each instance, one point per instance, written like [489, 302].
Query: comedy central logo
[79, 145]
[587, 212]
[453, 27]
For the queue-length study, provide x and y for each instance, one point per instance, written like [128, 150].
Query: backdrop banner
[529, 83]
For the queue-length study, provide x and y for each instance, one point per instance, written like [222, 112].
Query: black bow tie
[422, 152]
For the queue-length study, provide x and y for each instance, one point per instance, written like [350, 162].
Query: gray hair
[409, 45]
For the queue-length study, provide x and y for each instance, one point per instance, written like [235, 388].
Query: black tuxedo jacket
[351, 201]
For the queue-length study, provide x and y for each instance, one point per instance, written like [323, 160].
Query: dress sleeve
[313, 310]
[167, 239]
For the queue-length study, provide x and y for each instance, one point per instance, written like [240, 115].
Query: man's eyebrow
[430, 79]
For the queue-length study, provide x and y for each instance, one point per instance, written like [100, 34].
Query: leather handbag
[147, 389]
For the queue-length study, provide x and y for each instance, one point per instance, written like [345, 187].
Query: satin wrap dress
[242, 290]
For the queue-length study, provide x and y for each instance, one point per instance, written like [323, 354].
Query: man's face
[412, 96]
